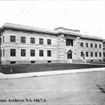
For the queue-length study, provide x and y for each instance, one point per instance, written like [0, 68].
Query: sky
[88, 16]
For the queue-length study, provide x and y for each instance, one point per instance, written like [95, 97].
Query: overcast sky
[86, 15]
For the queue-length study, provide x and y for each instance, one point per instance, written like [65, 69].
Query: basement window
[12, 62]
[49, 61]
[32, 61]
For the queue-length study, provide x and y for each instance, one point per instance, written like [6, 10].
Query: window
[49, 53]
[41, 53]
[86, 44]
[0, 40]
[91, 45]
[104, 54]
[95, 45]
[81, 44]
[99, 45]
[87, 54]
[49, 41]
[40, 40]
[32, 40]
[100, 54]
[91, 54]
[12, 52]
[32, 52]
[0, 53]
[23, 52]
[69, 42]
[12, 62]
[3, 52]
[82, 54]
[32, 61]
[49, 61]
[95, 54]
[3, 38]
[23, 39]
[12, 38]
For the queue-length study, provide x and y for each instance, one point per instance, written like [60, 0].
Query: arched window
[69, 54]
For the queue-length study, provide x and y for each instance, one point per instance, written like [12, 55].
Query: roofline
[39, 30]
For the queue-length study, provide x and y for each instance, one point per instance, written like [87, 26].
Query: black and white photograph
[52, 52]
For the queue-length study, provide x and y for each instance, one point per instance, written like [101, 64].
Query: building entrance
[69, 56]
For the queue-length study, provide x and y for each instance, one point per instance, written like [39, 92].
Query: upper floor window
[81, 44]
[99, 45]
[49, 41]
[41, 53]
[91, 45]
[23, 52]
[12, 52]
[49, 53]
[23, 39]
[40, 40]
[86, 44]
[69, 42]
[32, 40]
[12, 38]
[32, 52]
[95, 45]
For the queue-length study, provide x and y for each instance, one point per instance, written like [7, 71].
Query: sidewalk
[36, 74]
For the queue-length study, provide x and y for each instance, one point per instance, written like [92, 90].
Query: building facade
[25, 45]
[103, 50]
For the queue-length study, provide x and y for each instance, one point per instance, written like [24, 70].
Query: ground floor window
[69, 54]
[100, 54]
[91, 54]
[41, 53]
[95, 54]
[12, 52]
[23, 52]
[49, 53]
[32, 52]
[87, 54]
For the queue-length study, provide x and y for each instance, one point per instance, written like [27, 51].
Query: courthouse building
[25, 45]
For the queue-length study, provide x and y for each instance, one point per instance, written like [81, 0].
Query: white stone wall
[7, 45]
[58, 48]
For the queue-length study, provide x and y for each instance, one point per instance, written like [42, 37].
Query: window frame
[12, 38]
[23, 52]
[41, 53]
[23, 39]
[12, 52]
[49, 53]
[32, 40]
[48, 41]
[41, 41]
[32, 52]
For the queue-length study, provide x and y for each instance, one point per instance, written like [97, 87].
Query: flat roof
[56, 31]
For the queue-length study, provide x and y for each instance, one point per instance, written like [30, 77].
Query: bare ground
[63, 89]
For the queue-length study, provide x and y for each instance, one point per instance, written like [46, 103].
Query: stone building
[24, 45]
[103, 50]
